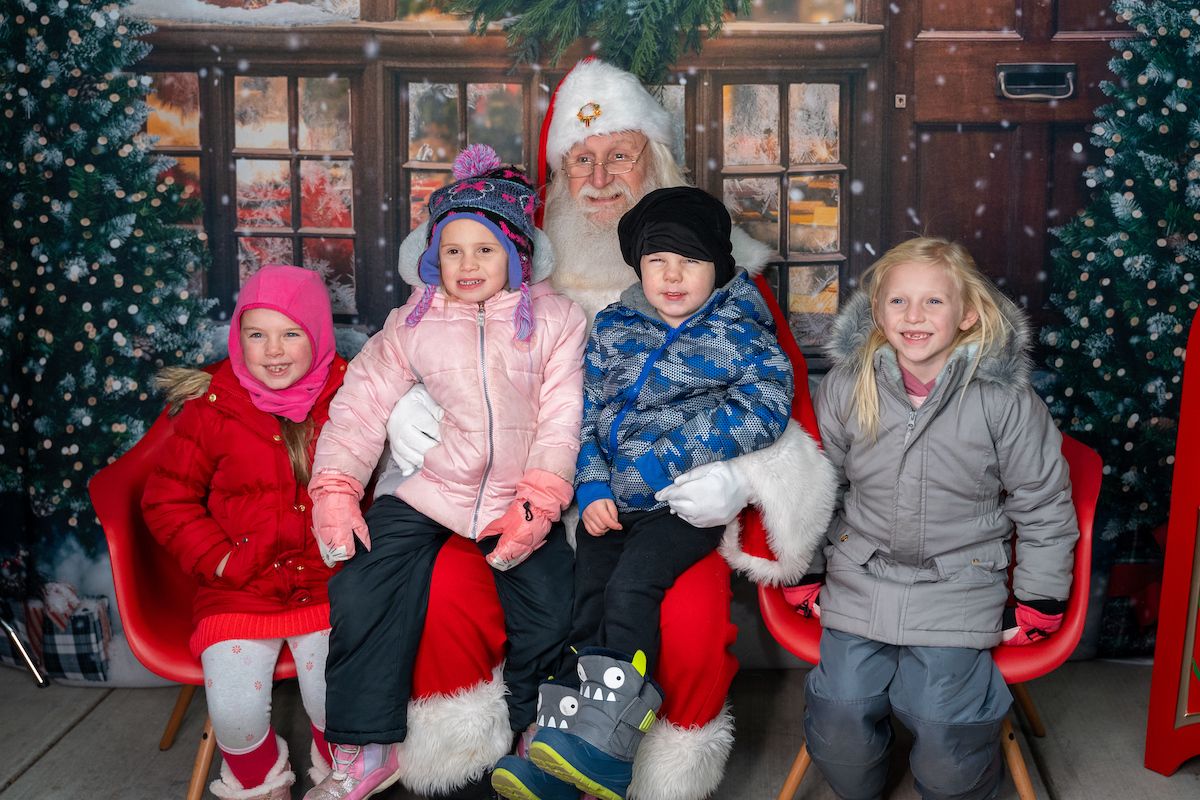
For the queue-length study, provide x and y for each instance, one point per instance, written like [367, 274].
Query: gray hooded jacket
[919, 544]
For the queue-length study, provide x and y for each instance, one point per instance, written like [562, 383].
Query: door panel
[1089, 16]
[992, 172]
[954, 15]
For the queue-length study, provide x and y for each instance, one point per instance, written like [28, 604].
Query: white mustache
[587, 190]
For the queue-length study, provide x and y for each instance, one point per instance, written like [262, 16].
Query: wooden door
[992, 172]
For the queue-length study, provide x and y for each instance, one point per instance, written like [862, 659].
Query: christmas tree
[101, 287]
[1124, 277]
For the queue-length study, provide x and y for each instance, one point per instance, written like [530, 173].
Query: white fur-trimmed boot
[276, 786]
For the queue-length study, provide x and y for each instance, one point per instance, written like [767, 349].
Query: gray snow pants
[952, 699]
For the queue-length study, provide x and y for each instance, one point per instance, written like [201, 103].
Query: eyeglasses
[618, 163]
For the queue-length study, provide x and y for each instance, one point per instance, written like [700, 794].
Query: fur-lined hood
[415, 243]
[1007, 365]
[177, 385]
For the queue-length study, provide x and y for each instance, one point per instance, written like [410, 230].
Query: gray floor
[69, 743]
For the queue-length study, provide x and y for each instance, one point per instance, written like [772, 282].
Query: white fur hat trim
[595, 99]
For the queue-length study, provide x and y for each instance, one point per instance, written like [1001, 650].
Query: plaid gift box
[71, 645]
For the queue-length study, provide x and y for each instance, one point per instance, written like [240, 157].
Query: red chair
[802, 635]
[154, 596]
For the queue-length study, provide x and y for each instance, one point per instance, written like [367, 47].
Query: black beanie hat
[683, 220]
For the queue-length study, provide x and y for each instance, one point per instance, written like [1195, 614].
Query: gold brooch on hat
[587, 113]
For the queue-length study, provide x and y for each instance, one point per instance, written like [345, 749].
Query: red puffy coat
[226, 485]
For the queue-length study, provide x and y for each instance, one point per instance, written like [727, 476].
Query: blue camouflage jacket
[658, 401]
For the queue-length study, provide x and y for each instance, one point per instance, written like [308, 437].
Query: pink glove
[1025, 624]
[337, 516]
[803, 598]
[541, 497]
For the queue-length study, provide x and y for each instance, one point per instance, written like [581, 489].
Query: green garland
[644, 37]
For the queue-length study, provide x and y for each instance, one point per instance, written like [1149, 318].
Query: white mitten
[412, 428]
[709, 496]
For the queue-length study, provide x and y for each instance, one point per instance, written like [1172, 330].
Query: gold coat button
[212, 398]
[299, 508]
[843, 537]
[277, 438]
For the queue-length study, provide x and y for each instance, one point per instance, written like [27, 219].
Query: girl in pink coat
[502, 354]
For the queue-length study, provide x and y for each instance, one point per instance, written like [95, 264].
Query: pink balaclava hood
[300, 295]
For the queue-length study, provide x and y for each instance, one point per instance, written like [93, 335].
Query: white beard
[589, 268]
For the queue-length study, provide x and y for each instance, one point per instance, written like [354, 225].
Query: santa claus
[606, 143]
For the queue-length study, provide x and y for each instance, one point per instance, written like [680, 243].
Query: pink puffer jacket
[510, 407]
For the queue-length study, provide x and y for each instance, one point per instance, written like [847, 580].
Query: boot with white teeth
[515, 777]
[617, 705]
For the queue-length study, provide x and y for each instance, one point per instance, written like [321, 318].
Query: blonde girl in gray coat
[942, 450]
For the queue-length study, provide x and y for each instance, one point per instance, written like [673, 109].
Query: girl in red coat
[230, 503]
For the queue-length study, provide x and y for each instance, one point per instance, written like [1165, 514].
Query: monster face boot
[617, 705]
[515, 777]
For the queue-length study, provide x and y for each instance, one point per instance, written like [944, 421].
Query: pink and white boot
[359, 771]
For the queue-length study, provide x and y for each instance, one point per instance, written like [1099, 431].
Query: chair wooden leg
[799, 767]
[204, 757]
[181, 705]
[1016, 762]
[1021, 694]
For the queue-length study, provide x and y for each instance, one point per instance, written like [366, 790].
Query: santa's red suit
[458, 723]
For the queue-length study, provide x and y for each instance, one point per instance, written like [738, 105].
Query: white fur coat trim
[414, 245]
[675, 763]
[454, 739]
[279, 776]
[749, 253]
[792, 484]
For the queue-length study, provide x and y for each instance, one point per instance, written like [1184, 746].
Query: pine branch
[644, 37]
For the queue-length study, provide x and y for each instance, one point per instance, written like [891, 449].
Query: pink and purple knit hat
[500, 198]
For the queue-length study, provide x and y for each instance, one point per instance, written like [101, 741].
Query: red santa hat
[595, 99]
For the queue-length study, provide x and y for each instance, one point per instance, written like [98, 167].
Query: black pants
[536, 596]
[378, 603]
[621, 577]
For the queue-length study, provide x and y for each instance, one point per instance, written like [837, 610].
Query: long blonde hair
[297, 436]
[979, 294]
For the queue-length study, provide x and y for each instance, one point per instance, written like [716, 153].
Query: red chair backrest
[154, 595]
[802, 635]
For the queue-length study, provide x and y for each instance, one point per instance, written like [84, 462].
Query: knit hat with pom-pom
[500, 198]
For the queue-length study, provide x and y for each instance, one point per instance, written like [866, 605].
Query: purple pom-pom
[476, 160]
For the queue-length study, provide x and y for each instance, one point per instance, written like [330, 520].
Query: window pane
[256, 251]
[264, 193]
[754, 205]
[673, 97]
[495, 117]
[751, 126]
[813, 123]
[334, 259]
[324, 113]
[326, 194]
[432, 121]
[813, 204]
[186, 174]
[260, 108]
[422, 184]
[174, 109]
[821, 11]
[812, 302]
